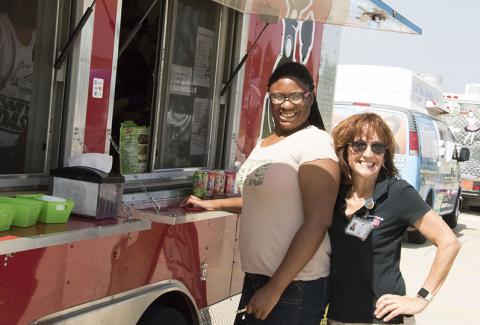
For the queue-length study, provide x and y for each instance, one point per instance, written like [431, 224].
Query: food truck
[165, 88]
[463, 121]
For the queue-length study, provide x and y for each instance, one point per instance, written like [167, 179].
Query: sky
[449, 45]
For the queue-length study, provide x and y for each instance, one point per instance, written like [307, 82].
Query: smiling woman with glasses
[373, 210]
[289, 184]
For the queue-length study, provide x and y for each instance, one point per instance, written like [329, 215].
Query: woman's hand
[231, 204]
[263, 301]
[394, 305]
[193, 201]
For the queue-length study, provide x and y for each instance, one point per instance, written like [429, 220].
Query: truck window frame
[48, 92]
[177, 180]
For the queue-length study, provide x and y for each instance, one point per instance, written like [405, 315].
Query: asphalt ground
[458, 301]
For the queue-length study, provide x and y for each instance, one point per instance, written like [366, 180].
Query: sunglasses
[360, 146]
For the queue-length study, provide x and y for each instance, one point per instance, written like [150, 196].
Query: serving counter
[80, 228]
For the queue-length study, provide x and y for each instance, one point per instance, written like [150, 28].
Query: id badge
[359, 227]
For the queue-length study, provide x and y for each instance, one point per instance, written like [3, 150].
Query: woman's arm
[319, 181]
[436, 230]
[231, 204]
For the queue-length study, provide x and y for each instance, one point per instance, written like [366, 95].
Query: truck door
[430, 179]
[448, 167]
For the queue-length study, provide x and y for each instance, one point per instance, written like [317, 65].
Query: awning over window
[373, 14]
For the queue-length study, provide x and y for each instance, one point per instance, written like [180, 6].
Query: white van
[425, 150]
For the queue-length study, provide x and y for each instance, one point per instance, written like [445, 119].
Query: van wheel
[162, 315]
[415, 237]
[452, 218]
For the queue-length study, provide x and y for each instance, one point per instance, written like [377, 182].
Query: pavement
[458, 301]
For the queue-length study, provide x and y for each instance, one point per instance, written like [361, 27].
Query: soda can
[219, 187]
[210, 183]
[200, 181]
[230, 182]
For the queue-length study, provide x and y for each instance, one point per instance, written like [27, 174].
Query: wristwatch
[425, 294]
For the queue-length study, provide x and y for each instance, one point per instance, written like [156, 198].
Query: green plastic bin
[51, 212]
[26, 210]
[7, 213]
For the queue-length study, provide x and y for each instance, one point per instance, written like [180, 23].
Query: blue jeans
[302, 303]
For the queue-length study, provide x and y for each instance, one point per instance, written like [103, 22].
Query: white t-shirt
[16, 69]
[272, 209]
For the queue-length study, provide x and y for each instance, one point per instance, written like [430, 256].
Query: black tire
[415, 237]
[162, 316]
[452, 218]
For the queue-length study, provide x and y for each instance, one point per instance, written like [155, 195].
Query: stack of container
[26, 210]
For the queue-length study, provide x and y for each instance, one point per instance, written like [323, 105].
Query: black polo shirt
[363, 271]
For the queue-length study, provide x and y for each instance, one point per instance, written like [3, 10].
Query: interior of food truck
[165, 82]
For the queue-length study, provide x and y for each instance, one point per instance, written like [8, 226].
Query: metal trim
[20, 244]
[113, 77]
[395, 15]
[217, 85]
[164, 91]
[236, 91]
[23, 181]
[158, 87]
[78, 82]
[155, 290]
[178, 217]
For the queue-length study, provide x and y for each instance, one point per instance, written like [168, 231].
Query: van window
[396, 121]
[427, 137]
[446, 142]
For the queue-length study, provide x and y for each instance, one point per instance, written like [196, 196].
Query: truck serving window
[186, 127]
[29, 32]
[165, 83]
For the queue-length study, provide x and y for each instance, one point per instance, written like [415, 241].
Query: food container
[96, 194]
[210, 183]
[230, 183]
[26, 210]
[54, 209]
[219, 187]
[200, 180]
[7, 213]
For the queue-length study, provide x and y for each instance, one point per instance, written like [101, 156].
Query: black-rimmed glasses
[294, 98]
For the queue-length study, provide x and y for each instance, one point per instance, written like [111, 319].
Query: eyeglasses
[294, 98]
[360, 146]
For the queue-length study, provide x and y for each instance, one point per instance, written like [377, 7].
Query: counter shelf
[76, 229]
[177, 216]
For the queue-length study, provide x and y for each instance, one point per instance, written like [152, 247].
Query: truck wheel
[162, 315]
[415, 237]
[452, 218]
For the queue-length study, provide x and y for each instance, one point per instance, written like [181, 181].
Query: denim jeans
[302, 302]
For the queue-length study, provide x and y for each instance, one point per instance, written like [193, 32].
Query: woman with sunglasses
[373, 210]
[289, 184]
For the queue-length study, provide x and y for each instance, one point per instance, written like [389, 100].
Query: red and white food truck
[73, 72]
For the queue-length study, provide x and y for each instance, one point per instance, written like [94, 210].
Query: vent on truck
[412, 135]
[412, 124]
